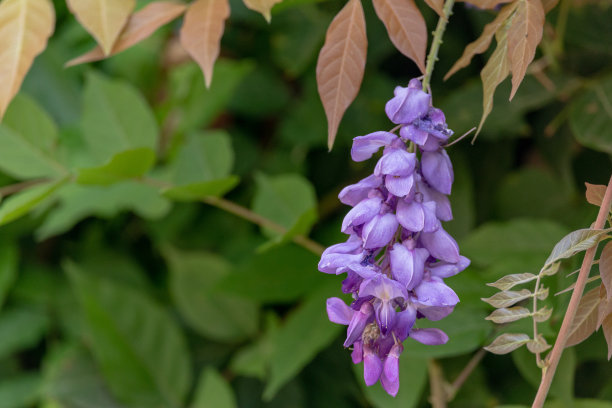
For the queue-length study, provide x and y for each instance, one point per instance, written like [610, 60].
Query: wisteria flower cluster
[397, 253]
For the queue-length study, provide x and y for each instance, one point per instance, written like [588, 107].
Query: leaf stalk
[432, 57]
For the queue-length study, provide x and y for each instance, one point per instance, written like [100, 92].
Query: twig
[553, 358]
[432, 57]
[17, 187]
[466, 372]
[436, 381]
[535, 321]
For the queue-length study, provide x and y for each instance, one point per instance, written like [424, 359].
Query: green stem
[436, 41]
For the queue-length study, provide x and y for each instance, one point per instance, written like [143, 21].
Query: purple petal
[358, 323]
[433, 292]
[396, 162]
[399, 186]
[357, 354]
[414, 134]
[351, 283]
[407, 265]
[438, 170]
[445, 269]
[361, 213]
[404, 321]
[390, 374]
[435, 313]
[338, 263]
[382, 288]
[355, 193]
[365, 146]
[372, 366]
[385, 316]
[407, 105]
[431, 223]
[443, 208]
[379, 231]
[432, 337]
[364, 271]
[410, 215]
[338, 311]
[440, 245]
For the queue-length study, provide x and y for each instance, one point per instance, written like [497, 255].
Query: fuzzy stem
[436, 41]
[553, 358]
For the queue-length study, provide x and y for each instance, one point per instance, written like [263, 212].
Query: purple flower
[398, 254]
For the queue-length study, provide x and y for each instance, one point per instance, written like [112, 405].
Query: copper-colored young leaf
[202, 31]
[507, 343]
[507, 315]
[595, 193]
[341, 64]
[262, 6]
[482, 43]
[509, 281]
[538, 345]
[486, 4]
[405, 26]
[104, 19]
[507, 298]
[605, 269]
[542, 315]
[585, 321]
[437, 6]
[139, 27]
[524, 35]
[549, 4]
[25, 26]
[494, 72]
[605, 307]
[607, 330]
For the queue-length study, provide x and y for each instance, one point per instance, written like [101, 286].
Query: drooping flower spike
[397, 255]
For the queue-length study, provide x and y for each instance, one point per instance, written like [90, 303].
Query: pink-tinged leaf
[524, 35]
[482, 43]
[437, 6]
[262, 6]
[406, 28]
[25, 27]
[607, 330]
[486, 4]
[605, 269]
[507, 298]
[341, 64]
[139, 27]
[507, 315]
[202, 31]
[494, 72]
[507, 343]
[549, 4]
[605, 306]
[509, 281]
[595, 193]
[538, 345]
[585, 321]
[104, 19]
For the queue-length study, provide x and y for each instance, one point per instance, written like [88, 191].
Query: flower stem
[436, 41]
[552, 360]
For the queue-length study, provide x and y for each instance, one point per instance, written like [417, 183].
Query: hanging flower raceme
[397, 254]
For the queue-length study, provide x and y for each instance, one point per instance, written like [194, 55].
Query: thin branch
[432, 57]
[436, 381]
[555, 355]
[17, 187]
[466, 372]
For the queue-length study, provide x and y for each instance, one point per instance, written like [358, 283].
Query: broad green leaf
[27, 141]
[498, 243]
[574, 242]
[77, 202]
[466, 328]
[21, 203]
[305, 332]
[509, 281]
[72, 380]
[507, 315]
[591, 116]
[21, 391]
[115, 118]
[214, 314]
[282, 274]
[213, 391]
[508, 297]
[263, 93]
[413, 377]
[507, 342]
[123, 165]
[141, 351]
[21, 329]
[285, 200]
[8, 269]
[253, 359]
[197, 191]
[579, 403]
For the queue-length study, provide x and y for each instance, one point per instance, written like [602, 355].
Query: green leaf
[141, 351]
[574, 242]
[213, 391]
[466, 328]
[124, 165]
[27, 141]
[115, 118]
[197, 191]
[287, 200]
[8, 269]
[21, 203]
[252, 360]
[77, 202]
[579, 403]
[591, 116]
[72, 380]
[282, 274]
[217, 315]
[21, 329]
[413, 377]
[305, 332]
[19, 392]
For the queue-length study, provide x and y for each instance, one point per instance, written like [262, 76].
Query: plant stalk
[432, 57]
